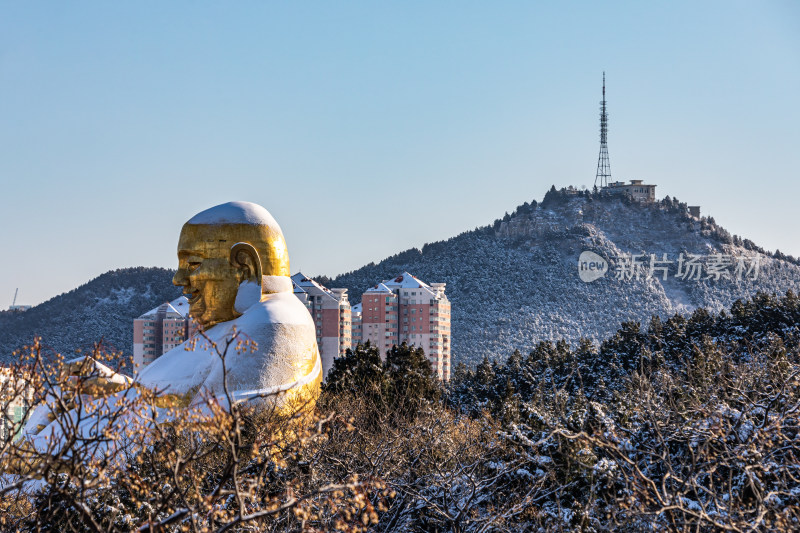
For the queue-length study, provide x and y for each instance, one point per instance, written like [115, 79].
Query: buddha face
[209, 276]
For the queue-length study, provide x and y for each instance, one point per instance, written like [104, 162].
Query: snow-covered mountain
[516, 283]
[511, 284]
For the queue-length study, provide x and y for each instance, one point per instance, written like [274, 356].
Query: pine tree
[410, 377]
[359, 372]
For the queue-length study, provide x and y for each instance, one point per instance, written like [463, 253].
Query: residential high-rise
[330, 310]
[405, 309]
[379, 318]
[402, 309]
[160, 330]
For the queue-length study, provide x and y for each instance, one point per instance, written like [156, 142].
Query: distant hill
[103, 308]
[516, 282]
[511, 284]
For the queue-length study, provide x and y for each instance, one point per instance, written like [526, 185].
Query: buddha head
[221, 251]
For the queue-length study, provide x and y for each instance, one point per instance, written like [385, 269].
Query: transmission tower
[603, 175]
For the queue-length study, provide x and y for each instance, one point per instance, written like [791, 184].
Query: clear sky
[368, 128]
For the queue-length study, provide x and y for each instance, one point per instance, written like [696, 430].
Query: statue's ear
[245, 258]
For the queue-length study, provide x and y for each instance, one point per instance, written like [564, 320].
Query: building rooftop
[179, 305]
[632, 182]
[303, 282]
[379, 288]
[405, 281]
[297, 289]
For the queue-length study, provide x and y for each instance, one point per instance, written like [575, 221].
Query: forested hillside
[102, 309]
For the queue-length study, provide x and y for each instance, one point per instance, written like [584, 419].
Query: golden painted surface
[305, 396]
[210, 267]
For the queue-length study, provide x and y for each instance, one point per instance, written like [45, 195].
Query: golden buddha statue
[256, 342]
[234, 270]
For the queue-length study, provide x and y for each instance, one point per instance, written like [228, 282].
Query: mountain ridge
[516, 282]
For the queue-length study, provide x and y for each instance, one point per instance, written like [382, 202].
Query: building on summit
[635, 189]
[18, 308]
[160, 330]
[330, 310]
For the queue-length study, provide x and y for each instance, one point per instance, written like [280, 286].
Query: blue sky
[367, 128]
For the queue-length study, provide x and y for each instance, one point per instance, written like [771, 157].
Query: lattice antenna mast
[603, 164]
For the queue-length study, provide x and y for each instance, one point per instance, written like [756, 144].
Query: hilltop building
[405, 309]
[160, 330]
[18, 308]
[330, 310]
[636, 189]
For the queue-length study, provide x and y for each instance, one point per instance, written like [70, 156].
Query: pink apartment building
[330, 310]
[160, 330]
[379, 318]
[405, 309]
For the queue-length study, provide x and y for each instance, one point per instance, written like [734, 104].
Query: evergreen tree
[359, 372]
[410, 377]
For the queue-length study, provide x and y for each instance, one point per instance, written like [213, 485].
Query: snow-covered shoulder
[277, 308]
